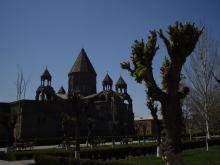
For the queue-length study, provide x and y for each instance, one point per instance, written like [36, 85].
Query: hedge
[58, 140]
[103, 153]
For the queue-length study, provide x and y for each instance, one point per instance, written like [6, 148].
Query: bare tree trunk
[207, 135]
[206, 117]
[113, 142]
[190, 135]
[207, 129]
[158, 150]
[173, 132]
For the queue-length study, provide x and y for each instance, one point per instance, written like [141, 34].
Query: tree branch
[141, 58]
[166, 42]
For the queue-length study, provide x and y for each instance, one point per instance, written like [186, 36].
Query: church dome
[82, 76]
[107, 80]
[61, 90]
[46, 75]
[82, 64]
[121, 83]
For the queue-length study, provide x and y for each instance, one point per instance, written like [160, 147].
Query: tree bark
[207, 135]
[206, 120]
[158, 151]
[174, 159]
[113, 142]
[173, 130]
[158, 127]
[190, 135]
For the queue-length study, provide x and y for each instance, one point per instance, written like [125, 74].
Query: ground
[23, 162]
[193, 157]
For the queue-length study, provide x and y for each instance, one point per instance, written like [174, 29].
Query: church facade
[105, 113]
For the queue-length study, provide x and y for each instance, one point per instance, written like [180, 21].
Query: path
[22, 162]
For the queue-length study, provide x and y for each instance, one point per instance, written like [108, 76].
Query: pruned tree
[67, 122]
[77, 105]
[180, 41]
[70, 121]
[90, 128]
[114, 125]
[199, 72]
[153, 107]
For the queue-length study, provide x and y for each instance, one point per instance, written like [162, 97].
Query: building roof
[61, 90]
[91, 96]
[107, 80]
[62, 96]
[82, 64]
[121, 82]
[143, 118]
[46, 75]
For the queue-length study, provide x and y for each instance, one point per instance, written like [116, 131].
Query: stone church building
[52, 114]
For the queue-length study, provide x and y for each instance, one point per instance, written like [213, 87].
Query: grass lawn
[192, 157]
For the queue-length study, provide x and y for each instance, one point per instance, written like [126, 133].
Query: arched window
[126, 103]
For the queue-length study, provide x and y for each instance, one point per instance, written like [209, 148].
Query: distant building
[104, 113]
[145, 126]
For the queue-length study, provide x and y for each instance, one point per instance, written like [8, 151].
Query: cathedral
[105, 113]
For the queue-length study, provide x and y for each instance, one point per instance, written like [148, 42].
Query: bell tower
[121, 86]
[45, 91]
[82, 76]
[107, 83]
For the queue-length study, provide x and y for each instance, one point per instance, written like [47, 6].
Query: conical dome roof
[121, 83]
[46, 75]
[107, 80]
[82, 64]
[61, 90]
